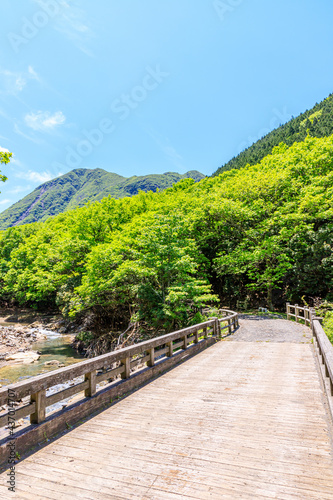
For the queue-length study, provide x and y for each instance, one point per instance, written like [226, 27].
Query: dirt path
[265, 329]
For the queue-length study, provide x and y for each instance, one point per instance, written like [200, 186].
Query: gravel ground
[265, 329]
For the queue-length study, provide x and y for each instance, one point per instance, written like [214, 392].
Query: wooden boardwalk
[240, 420]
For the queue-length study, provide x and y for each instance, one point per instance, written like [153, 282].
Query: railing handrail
[47, 380]
[36, 387]
[325, 347]
[306, 310]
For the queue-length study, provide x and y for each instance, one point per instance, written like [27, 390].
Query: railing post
[309, 317]
[312, 315]
[288, 310]
[185, 342]
[127, 363]
[170, 352]
[196, 340]
[205, 329]
[296, 313]
[151, 361]
[229, 326]
[40, 399]
[91, 390]
[217, 329]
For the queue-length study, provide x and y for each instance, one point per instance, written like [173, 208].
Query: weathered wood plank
[66, 393]
[198, 433]
[29, 437]
[22, 412]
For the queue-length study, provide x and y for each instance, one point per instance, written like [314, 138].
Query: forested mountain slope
[153, 260]
[316, 122]
[79, 186]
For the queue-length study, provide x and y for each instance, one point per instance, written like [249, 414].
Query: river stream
[55, 346]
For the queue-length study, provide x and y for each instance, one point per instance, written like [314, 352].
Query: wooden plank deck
[241, 420]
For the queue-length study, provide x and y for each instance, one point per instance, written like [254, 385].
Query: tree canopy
[263, 232]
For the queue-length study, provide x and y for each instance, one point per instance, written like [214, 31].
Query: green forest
[151, 262]
[316, 122]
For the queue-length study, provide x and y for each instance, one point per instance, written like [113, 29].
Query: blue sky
[151, 86]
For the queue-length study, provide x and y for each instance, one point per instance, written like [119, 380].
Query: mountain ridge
[315, 122]
[79, 186]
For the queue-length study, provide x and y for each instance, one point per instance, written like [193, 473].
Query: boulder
[52, 362]
[23, 357]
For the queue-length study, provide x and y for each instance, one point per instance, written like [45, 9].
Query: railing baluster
[40, 399]
[151, 353]
[127, 363]
[91, 390]
[288, 310]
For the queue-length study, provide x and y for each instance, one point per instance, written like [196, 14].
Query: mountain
[316, 122]
[79, 186]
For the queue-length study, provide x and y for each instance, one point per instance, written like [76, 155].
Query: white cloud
[33, 74]
[19, 189]
[73, 25]
[33, 176]
[4, 150]
[13, 82]
[19, 131]
[43, 120]
[2, 202]
[16, 161]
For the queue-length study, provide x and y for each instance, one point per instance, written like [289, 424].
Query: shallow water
[55, 346]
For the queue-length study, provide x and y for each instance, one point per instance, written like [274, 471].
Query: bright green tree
[4, 158]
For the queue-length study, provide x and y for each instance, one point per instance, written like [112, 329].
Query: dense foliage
[79, 186]
[4, 158]
[264, 232]
[316, 122]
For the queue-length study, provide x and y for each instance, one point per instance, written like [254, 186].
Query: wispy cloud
[17, 130]
[167, 148]
[19, 189]
[33, 74]
[16, 161]
[4, 150]
[44, 120]
[3, 202]
[72, 23]
[34, 176]
[13, 82]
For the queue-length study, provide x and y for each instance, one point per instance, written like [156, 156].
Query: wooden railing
[135, 364]
[300, 313]
[323, 345]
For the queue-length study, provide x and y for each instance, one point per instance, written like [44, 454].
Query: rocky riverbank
[19, 330]
[16, 344]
